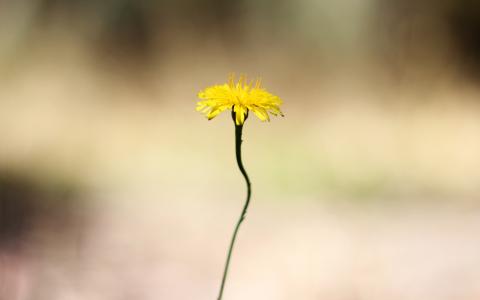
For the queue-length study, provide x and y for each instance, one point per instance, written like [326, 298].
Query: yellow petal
[261, 113]
[240, 112]
[216, 110]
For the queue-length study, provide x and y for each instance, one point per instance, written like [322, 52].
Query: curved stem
[238, 153]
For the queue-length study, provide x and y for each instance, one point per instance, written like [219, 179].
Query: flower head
[240, 97]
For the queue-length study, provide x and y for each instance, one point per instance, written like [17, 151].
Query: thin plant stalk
[238, 154]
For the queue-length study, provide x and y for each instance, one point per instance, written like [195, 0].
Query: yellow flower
[241, 97]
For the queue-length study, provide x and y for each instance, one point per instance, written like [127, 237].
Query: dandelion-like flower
[240, 97]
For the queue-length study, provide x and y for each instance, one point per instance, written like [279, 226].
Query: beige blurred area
[113, 187]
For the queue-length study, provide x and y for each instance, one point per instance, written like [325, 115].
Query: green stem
[238, 153]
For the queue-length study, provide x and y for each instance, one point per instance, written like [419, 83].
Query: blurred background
[113, 187]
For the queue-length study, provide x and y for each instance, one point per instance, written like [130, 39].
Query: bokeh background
[113, 187]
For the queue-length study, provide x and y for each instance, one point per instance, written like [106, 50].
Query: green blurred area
[381, 97]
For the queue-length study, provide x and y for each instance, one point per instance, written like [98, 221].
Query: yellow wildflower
[240, 97]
